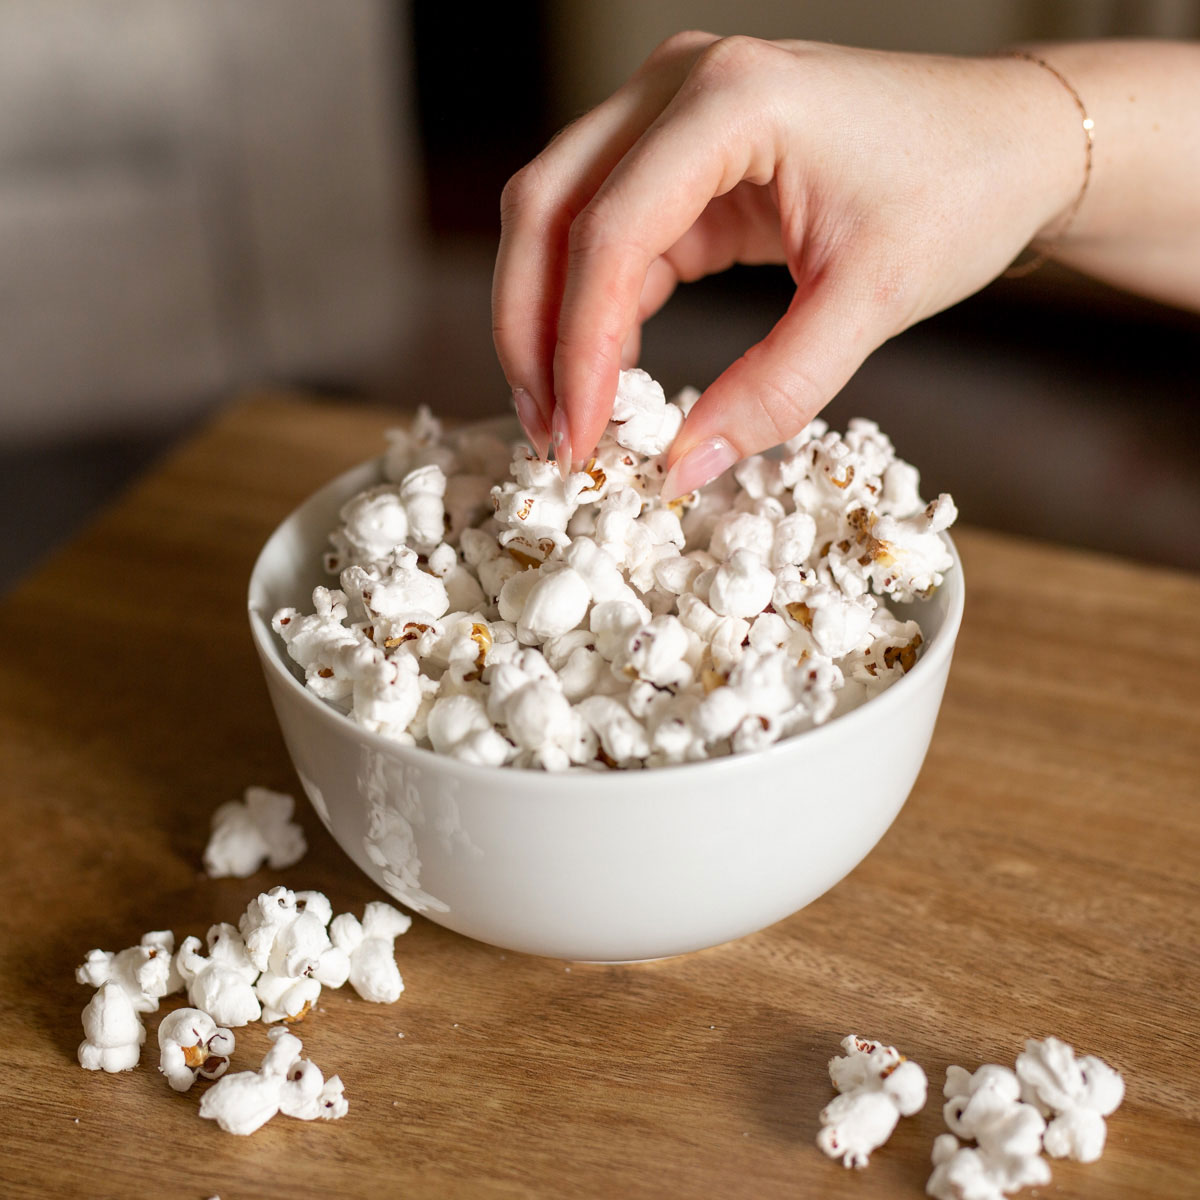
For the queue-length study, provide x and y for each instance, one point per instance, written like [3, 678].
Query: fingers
[537, 209]
[777, 387]
[642, 212]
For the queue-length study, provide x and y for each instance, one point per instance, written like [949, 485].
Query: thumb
[774, 389]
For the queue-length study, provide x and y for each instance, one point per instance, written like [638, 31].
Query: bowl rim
[938, 650]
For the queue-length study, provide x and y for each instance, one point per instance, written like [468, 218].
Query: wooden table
[1042, 879]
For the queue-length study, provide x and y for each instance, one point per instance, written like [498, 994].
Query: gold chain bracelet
[1017, 270]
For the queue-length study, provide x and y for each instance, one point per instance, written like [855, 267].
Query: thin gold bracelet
[1017, 270]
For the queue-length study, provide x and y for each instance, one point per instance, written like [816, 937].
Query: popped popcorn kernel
[986, 1107]
[878, 1086]
[369, 944]
[1076, 1094]
[285, 1082]
[252, 831]
[192, 1046]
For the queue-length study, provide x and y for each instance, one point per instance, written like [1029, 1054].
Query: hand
[891, 185]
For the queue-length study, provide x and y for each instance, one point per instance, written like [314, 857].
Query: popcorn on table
[192, 1046]
[129, 983]
[112, 1031]
[1004, 1112]
[254, 830]
[245, 1101]
[287, 938]
[1078, 1093]
[370, 946]
[986, 1107]
[878, 1086]
[221, 983]
[539, 623]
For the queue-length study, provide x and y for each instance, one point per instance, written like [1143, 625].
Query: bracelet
[1017, 270]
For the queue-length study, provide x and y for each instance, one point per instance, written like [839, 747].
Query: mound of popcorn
[590, 623]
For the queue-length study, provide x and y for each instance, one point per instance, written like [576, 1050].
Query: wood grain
[1042, 879]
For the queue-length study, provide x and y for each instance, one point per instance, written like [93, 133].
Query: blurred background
[198, 197]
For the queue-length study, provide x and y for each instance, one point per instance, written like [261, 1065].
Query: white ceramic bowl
[611, 866]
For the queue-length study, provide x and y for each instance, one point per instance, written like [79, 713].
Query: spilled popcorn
[284, 1083]
[878, 1086]
[1004, 1113]
[254, 830]
[192, 1046]
[272, 965]
[546, 624]
[128, 984]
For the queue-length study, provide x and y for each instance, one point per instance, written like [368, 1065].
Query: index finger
[703, 144]
[543, 199]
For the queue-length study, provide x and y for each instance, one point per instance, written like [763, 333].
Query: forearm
[1139, 224]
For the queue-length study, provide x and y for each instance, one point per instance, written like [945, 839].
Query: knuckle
[685, 44]
[522, 191]
[591, 230]
[732, 57]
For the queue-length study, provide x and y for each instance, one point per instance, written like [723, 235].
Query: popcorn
[555, 604]
[247, 1100]
[145, 972]
[421, 493]
[370, 947]
[293, 945]
[961, 1173]
[878, 1086]
[741, 586]
[112, 1031]
[460, 726]
[621, 736]
[249, 832]
[397, 588]
[387, 689]
[1004, 1112]
[986, 1107]
[645, 422]
[1078, 1092]
[192, 1045]
[417, 446]
[656, 653]
[223, 983]
[447, 577]
[537, 498]
[128, 983]
[372, 523]
[287, 938]
[314, 640]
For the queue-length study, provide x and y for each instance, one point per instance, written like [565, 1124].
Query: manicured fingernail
[560, 439]
[700, 465]
[531, 421]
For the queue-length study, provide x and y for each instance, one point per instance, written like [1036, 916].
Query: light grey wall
[197, 195]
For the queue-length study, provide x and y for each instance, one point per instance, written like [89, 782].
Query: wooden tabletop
[1042, 879]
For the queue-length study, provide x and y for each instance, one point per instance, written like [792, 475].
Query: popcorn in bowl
[539, 623]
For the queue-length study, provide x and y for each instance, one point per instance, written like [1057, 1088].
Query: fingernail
[531, 421]
[700, 465]
[560, 439]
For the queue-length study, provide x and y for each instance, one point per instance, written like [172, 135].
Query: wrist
[1059, 228]
[1056, 131]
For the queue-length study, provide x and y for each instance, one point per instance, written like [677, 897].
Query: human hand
[891, 186]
